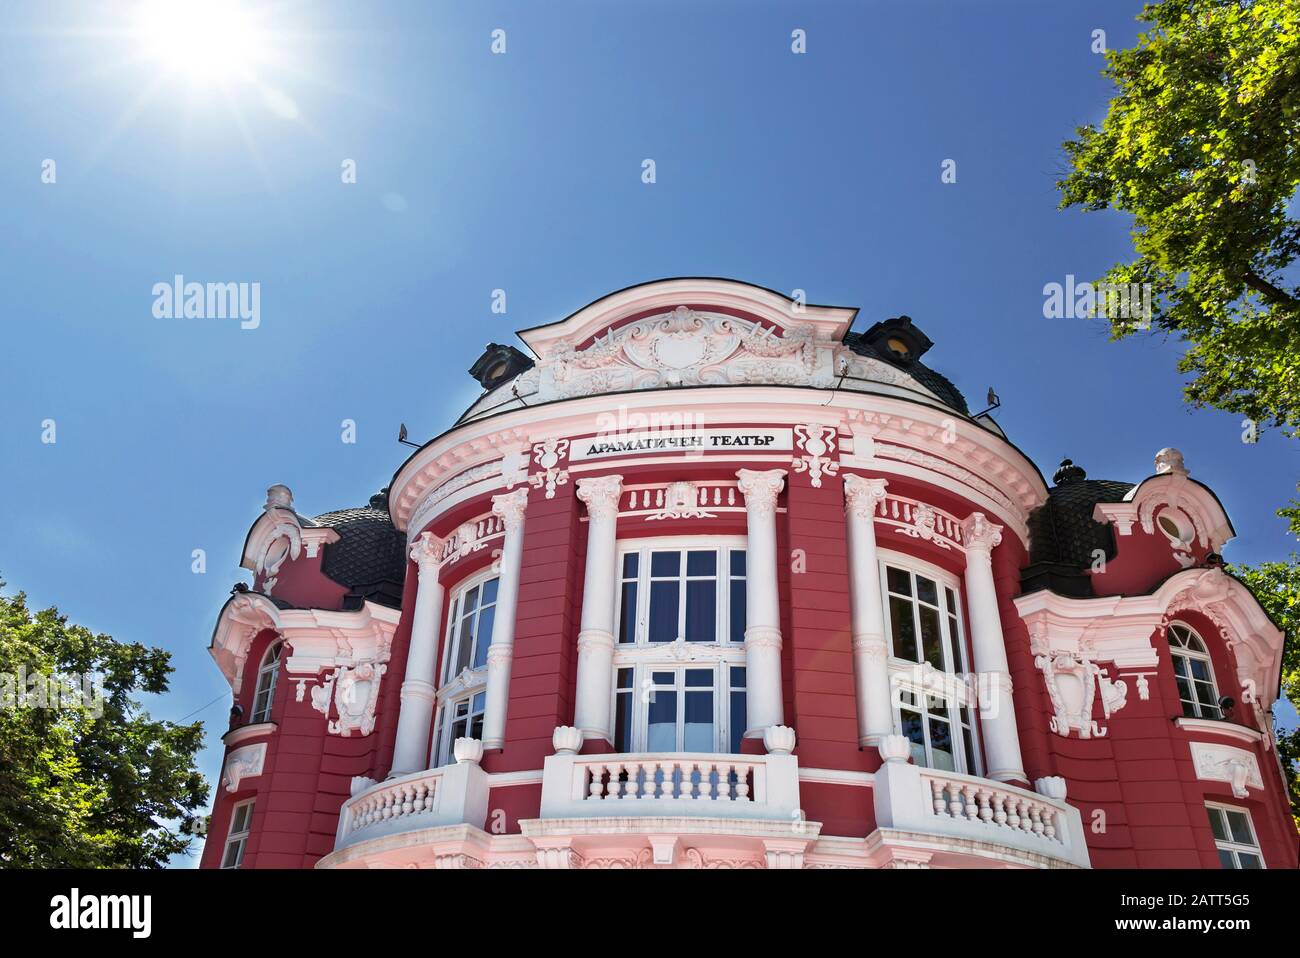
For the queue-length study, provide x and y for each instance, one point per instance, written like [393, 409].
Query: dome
[370, 556]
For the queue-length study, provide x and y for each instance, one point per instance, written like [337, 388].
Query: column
[596, 631]
[510, 509]
[870, 648]
[763, 700]
[997, 711]
[411, 750]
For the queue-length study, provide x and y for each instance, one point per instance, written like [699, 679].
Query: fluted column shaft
[763, 698]
[415, 715]
[500, 655]
[870, 646]
[596, 630]
[997, 710]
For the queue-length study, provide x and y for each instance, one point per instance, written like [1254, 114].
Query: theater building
[711, 580]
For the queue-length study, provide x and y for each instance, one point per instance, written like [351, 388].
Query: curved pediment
[698, 332]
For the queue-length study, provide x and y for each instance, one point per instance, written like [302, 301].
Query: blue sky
[519, 171]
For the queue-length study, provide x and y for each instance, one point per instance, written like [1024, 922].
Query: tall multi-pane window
[241, 823]
[679, 675]
[1193, 672]
[267, 674]
[469, 626]
[1234, 837]
[933, 702]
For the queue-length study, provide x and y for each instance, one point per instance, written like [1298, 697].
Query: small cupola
[898, 340]
[498, 364]
[1069, 472]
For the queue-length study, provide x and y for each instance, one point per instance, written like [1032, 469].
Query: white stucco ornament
[356, 692]
[1074, 682]
[566, 740]
[778, 739]
[819, 445]
[242, 763]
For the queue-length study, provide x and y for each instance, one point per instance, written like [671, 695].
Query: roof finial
[1170, 461]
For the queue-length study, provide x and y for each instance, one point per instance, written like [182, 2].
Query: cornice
[997, 478]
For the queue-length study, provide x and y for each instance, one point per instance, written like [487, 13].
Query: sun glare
[205, 41]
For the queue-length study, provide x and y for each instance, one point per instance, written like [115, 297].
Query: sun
[206, 42]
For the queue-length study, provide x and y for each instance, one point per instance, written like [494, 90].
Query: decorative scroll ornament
[760, 489]
[684, 348]
[601, 494]
[980, 534]
[681, 501]
[285, 540]
[509, 508]
[242, 763]
[922, 527]
[548, 456]
[819, 445]
[1073, 683]
[1226, 763]
[862, 497]
[356, 692]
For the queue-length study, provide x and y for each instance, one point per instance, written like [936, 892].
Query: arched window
[1194, 673]
[267, 673]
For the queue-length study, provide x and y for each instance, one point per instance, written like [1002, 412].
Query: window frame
[263, 714]
[922, 681]
[455, 615]
[241, 836]
[1189, 655]
[474, 697]
[723, 546]
[642, 657]
[1230, 846]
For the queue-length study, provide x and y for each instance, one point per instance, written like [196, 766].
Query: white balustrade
[964, 800]
[691, 784]
[920, 520]
[451, 795]
[925, 801]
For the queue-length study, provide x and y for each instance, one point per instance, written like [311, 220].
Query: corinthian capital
[601, 494]
[978, 533]
[862, 496]
[760, 489]
[425, 552]
[510, 507]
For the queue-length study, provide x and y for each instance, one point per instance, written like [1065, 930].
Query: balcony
[690, 810]
[961, 818]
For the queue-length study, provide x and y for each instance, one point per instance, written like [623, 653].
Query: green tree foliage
[78, 790]
[1201, 145]
[1277, 586]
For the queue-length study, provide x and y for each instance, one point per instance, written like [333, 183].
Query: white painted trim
[510, 779]
[909, 424]
[245, 732]
[836, 776]
[1219, 727]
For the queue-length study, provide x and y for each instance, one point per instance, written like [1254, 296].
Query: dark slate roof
[1063, 534]
[370, 556]
[928, 378]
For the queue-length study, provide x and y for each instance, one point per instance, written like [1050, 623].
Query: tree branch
[1270, 292]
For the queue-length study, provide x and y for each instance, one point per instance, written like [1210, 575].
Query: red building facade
[715, 581]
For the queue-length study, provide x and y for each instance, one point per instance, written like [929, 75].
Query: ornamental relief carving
[1074, 682]
[682, 348]
[820, 447]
